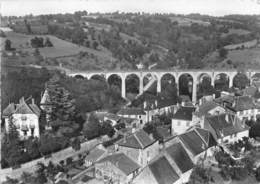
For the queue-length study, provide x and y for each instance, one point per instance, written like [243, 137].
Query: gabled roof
[205, 108]
[162, 171]
[138, 140]
[131, 111]
[194, 142]
[9, 110]
[180, 157]
[207, 137]
[122, 162]
[94, 154]
[249, 91]
[243, 103]
[223, 127]
[184, 113]
[22, 108]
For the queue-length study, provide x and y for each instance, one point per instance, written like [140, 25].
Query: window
[140, 117]
[187, 123]
[23, 118]
[178, 123]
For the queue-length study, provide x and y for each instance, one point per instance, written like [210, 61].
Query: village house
[172, 166]
[116, 168]
[226, 128]
[134, 113]
[243, 106]
[158, 106]
[199, 143]
[183, 119]
[25, 117]
[208, 108]
[95, 155]
[139, 146]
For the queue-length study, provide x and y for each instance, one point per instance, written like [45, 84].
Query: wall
[179, 129]
[55, 158]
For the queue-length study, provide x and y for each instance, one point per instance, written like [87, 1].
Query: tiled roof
[222, 126]
[184, 113]
[9, 110]
[122, 162]
[94, 155]
[21, 108]
[249, 91]
[205, 108]
[207, 137]
[243, 103]
[164, 132]
[131, 111]
[193, 142]
[138, 140]
[180, 157]
[162, 171]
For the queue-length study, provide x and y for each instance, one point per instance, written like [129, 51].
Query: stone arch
[202, 76]
[97, 77]
[132, 83]
[115, 80]
[79, 76]
[185, 81]
[169, 87]
[241, 80]
[150, 82]
[221, 81]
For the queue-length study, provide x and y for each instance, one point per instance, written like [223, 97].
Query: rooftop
[138, 140]
[122, 162]
[180, 157]
[184, 113]
[205, 108]
[162, 171]
[131, 111]
[22, 108]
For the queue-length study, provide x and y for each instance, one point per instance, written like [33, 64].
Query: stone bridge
[196, 76]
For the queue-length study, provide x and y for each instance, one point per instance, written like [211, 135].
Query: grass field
[236, 31]
[248, 44]
[183, 21]
[60, 47]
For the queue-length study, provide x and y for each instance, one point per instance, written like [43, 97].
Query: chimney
[156, 103]
[145, 104]
[33, 101]
[200, 101]
[214, 96]
[182, 104]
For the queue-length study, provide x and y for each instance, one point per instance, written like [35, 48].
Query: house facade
[134, 113]
[139, 146]
[183, 119]
[25, 118]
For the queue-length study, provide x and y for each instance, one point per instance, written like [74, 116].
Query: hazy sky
[211, 7]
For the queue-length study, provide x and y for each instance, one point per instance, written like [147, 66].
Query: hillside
[121, 41]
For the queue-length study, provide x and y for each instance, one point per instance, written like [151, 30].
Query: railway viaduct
[196, 75]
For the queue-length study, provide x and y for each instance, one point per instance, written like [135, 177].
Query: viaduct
[196, 75]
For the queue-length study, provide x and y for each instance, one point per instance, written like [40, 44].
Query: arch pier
[157, 75]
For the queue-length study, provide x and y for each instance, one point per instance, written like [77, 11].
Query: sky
[210, 7]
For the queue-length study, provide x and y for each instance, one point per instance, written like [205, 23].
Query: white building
[226, 128]
[134, 113]
[183, 119]
[24, 116]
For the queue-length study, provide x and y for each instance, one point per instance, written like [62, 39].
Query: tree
[199, 175]
[10, 181]
[36, 52]
[107, 129]
[32, 147]
[8, 44]
[75, 144]
[48, 42]
[91, 127]
[95, 45]
[222, 52]
[63, 108]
